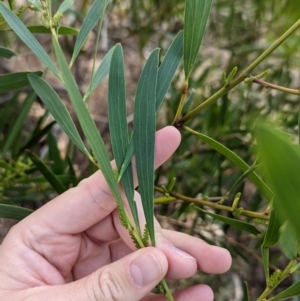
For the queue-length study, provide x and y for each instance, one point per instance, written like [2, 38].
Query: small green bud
[263, 74]
[232, 74]
[274, 278]
[260, 221]
[171, 184]
[237, 211]
[224, 79]
[249, 80]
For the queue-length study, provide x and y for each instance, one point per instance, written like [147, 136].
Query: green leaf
[100, 74]
[88, 126]
[245, 292]
[57, 108]
[36, 4]
[16, 127]
[89, 22]
[166, 73]
[7, 53]
[57, 185]
[238, 161]
[6, 113]
[195, 19]
[65, 5]
[265, 261]
[58, 165]
[14, 212]
[289, 242]
[36, 137]
[144, 137]
[13, 81]
[168, 68]
[273, 231]
[63, 30]
[281, 166]
[232, 222]
[118, 127]
[292, 291]
[26, 36]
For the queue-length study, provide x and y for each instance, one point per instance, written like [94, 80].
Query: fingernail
[145, 269]
[181, 253]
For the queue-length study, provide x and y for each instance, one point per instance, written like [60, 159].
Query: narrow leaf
[16, 127]
[290, 292]
[57, 108]
[118, 127]
[144, 137]
[245, 292]
[273, 231]
[13, 81]
[57, 165]
[36, 137]
[288, 241]
[89, 22]
[238, 161]
[6, 112]
[265, 261]
[36, 4]
[65, 5]
[26, 36]
[57, 185]
[100, 74]
[7, 53]
[166, 73]
[63, 30]
[168, 68]
[232, 222]
[195, 19]
[88, 125]
[14, 212]
[281, 166]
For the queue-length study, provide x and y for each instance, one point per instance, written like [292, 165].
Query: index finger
[81, 207]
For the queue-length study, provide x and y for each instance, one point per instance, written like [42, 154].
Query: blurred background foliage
[238, 31]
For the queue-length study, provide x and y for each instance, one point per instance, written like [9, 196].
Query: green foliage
[144, 137]
[213, 166]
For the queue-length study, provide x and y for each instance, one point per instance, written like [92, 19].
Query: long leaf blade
[118, 123]
[290, 292]
[7, 53]
[168, 68]
[100, 74]
[88, 125]
[232, 222]
[26, 36]
[195, 19]
[63, 30]
[90, 20]
[14, 131]
[47, 172]
[144, 137]
[238, 161]
[13, 81]
[14, 212]
[273, 231]
[57, 108]
[281, 166]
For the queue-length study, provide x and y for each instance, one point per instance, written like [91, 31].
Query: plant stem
[182, 100]
[252, 214]
[241, 77]
[285, 273]
[275, 87]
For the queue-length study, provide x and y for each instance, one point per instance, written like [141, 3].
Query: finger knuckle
[111, 286]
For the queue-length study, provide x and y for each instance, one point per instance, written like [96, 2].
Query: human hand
[75, 249]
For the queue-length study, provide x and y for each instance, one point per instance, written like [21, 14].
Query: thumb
[128, 279]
